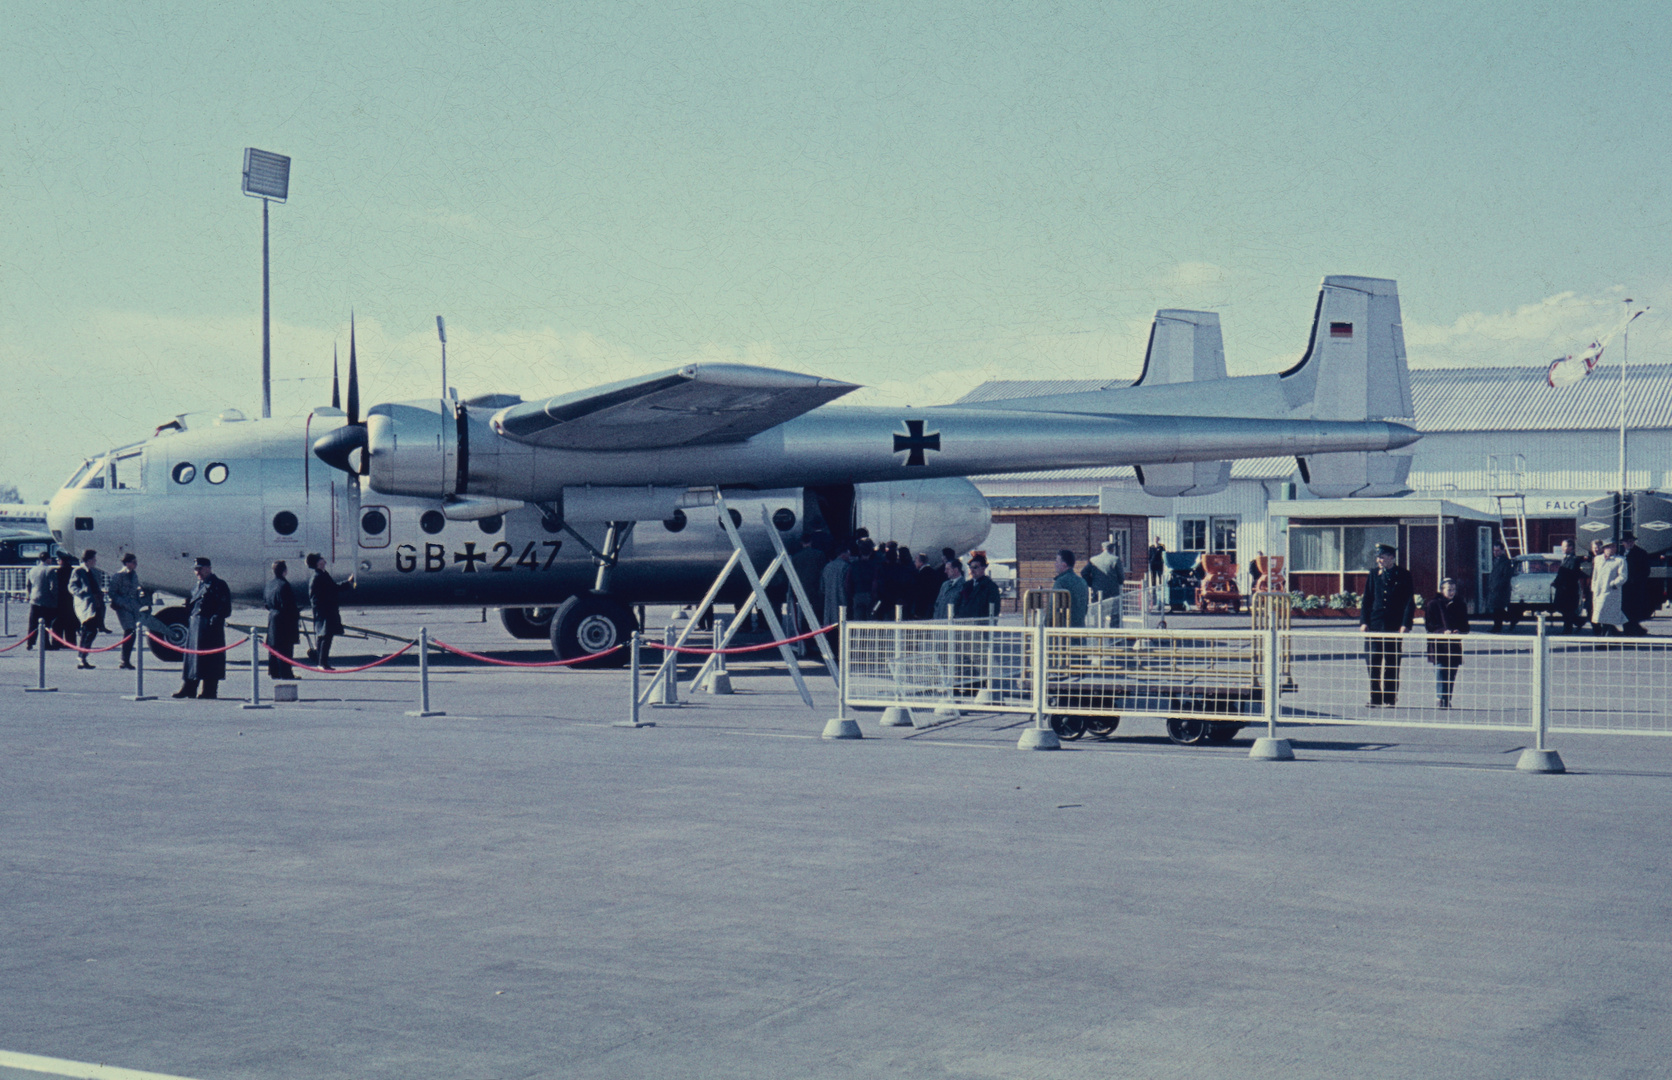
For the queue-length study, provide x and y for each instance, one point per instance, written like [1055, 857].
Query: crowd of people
[886, 581]
[1611, 588]
[68, 599]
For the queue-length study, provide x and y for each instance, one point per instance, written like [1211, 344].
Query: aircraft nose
[60, 516]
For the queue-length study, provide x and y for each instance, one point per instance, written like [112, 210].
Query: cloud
[1529, 335]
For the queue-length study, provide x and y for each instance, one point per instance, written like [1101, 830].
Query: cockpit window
[95, 475]
[80, 474]
[127, 473]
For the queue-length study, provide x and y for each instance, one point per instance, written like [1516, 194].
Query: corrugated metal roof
[1465, 399]
[1519, 399]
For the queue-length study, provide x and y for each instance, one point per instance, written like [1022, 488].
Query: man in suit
[323, 592]
[1387, 608]
[43, 598]
[1105, 574]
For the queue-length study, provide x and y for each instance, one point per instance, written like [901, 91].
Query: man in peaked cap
[1387, 608]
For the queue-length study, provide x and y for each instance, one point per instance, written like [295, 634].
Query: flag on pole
[1569, 369]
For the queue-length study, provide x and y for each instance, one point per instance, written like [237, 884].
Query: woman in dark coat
[207, 610]
[1446, 616]
[64, 622]
[284, 622]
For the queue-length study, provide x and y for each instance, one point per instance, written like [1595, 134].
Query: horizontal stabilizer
[1184, 347]
[702, 404]
[1379, 475]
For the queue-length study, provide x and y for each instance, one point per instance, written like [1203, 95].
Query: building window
[1225, 534]
[1193, 534]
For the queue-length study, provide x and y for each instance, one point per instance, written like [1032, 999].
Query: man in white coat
[1608, 580]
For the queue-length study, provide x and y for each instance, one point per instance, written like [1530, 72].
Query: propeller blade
[336, 389]
[353, 377]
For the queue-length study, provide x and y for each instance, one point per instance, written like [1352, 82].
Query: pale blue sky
[914, 197]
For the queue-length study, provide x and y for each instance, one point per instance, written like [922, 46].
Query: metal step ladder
[1512, 516]
[1507, 475]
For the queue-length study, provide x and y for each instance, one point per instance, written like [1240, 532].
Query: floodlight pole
[1625, 348]
[266, 326]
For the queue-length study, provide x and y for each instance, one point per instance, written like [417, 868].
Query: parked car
[1533, 588]
[23, 547]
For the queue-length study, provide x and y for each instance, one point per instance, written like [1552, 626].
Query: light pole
[266, 177]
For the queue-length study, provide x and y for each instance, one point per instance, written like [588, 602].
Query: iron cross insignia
[916, 442]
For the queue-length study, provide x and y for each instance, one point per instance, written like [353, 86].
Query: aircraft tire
[590, 623]
[173, 622]
[527, 623]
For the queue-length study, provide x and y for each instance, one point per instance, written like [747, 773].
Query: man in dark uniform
[980, 598]
[1635, 596]
[284, 622]
[1571, 581]
[207, 610]
[327, 609]
[1387, 609]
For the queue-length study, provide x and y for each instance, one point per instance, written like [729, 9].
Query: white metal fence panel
[1410, 680]
[1201, 674]
[939, 662]
[1611, 684]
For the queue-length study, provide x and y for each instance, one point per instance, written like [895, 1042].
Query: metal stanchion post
[141, 647]
[1039, 736]
[670, 672]
[1270, 747]
[255, 673]
[1537, 758]
[423, 708]
[840, 726]
[7, 600]
[633, 720]
[719, 679]
[40, 686]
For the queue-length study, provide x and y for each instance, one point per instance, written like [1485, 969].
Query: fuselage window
[490, 525]
[184, 473]
[372, 523]
[784, 519]
[216, 473]
[675, 523]
[432, 522]
[285, 523]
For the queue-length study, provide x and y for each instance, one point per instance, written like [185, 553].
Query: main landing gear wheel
[527, 623]
[173, 620]
[589, 623]
[1186, 731]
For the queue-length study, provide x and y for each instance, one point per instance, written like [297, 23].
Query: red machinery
[1218, 590]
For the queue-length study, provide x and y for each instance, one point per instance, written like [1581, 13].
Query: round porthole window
[432, 522]
[184, 473]
[490, 525]
[372, 522]
[675, 523]
[784, 519]
[215, 473]
[284, 523]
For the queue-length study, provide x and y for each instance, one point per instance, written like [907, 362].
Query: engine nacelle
[925, 515]
[413, 448]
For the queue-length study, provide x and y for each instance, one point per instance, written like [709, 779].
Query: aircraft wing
[691, 406]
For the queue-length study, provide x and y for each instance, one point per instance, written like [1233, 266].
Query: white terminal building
[1503, 454]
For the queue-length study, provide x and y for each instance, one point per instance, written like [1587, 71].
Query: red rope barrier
[515, 663]
[341, 670]
[24, 640]
[78, 648]
[165, 643]
[743, 648]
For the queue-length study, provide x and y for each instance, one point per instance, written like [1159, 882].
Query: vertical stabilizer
[1354, 369]
[1184, 347]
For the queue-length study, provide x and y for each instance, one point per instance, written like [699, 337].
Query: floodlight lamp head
[266, 175]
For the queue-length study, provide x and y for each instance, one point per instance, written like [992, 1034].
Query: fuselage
[248, 492]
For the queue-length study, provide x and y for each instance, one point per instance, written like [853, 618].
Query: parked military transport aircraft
[498, 501]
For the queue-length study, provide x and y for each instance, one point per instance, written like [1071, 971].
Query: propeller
[336, 391]
[337, 448]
